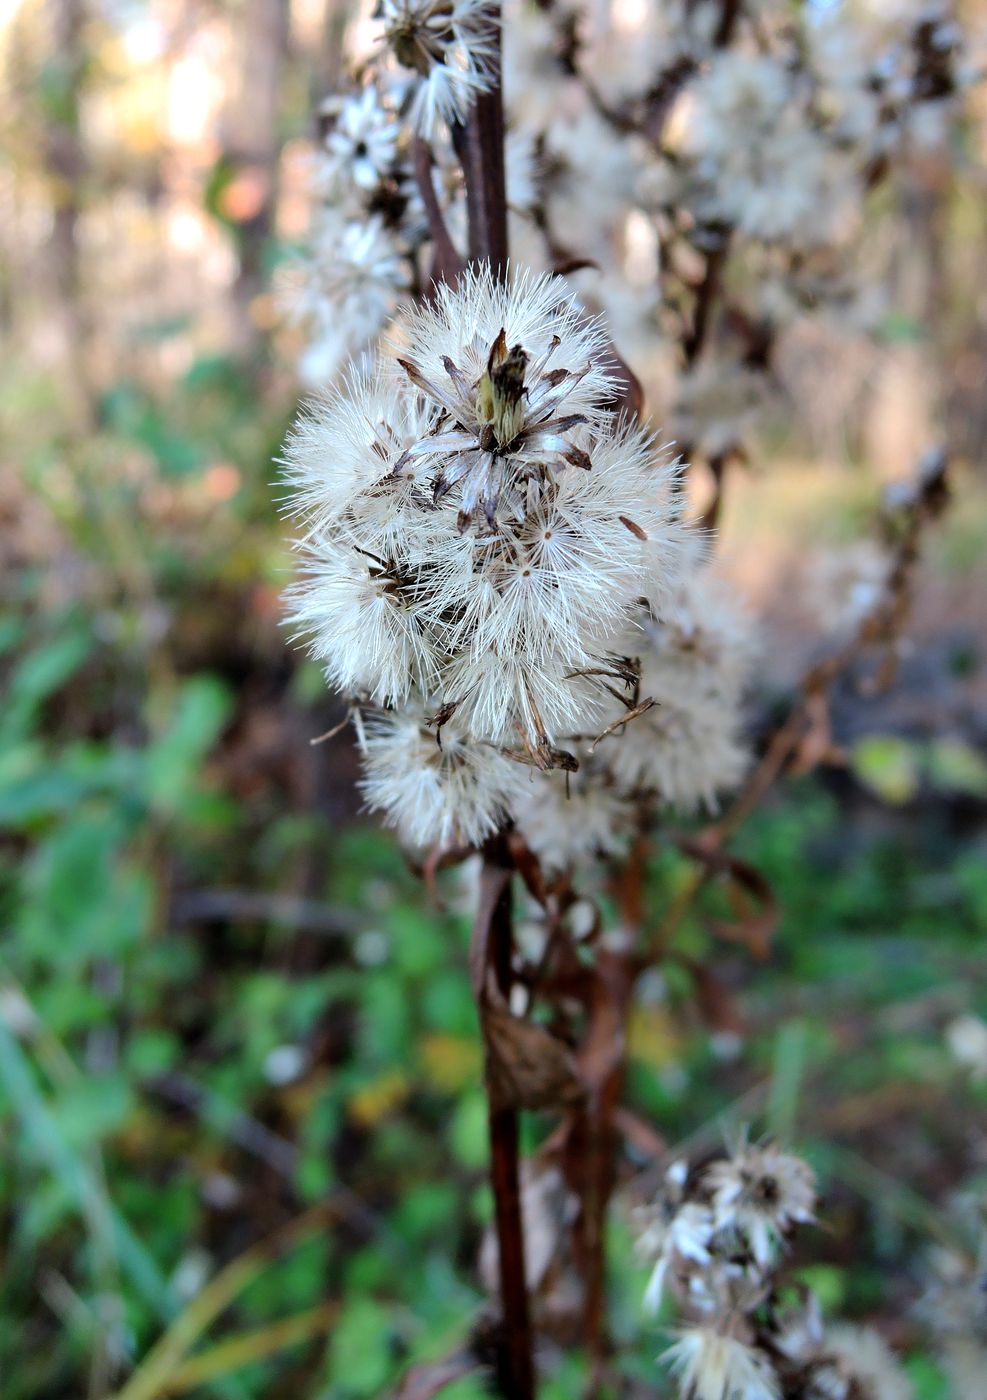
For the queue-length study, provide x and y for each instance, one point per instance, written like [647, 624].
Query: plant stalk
[516, 1374]
[480, 148]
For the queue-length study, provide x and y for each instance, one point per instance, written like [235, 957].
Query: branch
[794, 738]
[490, 958]
[447, 262]
[480, 148]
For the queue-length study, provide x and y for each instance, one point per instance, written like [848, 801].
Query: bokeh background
[227, 1012]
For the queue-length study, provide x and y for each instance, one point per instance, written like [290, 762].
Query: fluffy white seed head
[345, 290]
[688, 747]
[514, 622]
[358, 612]
[361, 146]
[713, 1365]
[339, 457]
[758, 1194]
[857, 1361]
[513, 368]
[569, 819]
[450, 46]
[435, 788]
[759, 162]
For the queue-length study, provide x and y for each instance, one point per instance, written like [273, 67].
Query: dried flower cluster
[716, 1238]
[495, 572]
[496, 575]
[954, 1305]
[651, 148]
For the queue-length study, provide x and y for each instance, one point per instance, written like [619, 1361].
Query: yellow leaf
[451, 1061]
[653, 1037]
[377, 1099]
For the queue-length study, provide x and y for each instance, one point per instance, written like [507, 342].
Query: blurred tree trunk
[254, 149]
[65, 165]
[330, 67]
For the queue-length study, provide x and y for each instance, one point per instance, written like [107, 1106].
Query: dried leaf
[528, 867]
[527, 1066]
[633, 713]
[544, 757]
[817, 743]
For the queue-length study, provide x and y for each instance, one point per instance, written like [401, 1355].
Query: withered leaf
[626, 718]
[527, 1066]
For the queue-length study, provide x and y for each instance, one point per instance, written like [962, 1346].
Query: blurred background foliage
[244, 1140]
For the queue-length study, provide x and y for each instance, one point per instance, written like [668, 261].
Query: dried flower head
[714, 1365]
[362, 143]
[760, 1193]
[513, 369]
[451, 47]
[694, 659]
[443, 788]
[711, 1235]
[508, 629]
[345, 290]
[569, 819]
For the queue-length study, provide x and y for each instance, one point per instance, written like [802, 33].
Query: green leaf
[42, 672]
[82, 899]
[956, 765]
[468, 1134]
[359, 1354]
[175, 759]
[889, 766]
[43, 1135]
[91, 1109]
[152, 1052]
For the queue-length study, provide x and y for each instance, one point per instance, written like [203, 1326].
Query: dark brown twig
[705, 298]
[480, 148]
[490, 958]
[447, 261]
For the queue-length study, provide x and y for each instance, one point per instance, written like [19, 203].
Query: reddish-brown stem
[480, 148]
[705, 297]
[592, 1147]
[493, 946]
[447, 263]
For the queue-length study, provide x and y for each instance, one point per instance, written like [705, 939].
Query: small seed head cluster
[450, 46]
[637, 147]
[482, 540]
[953, 1306]
[716, 1238]
[485, 548]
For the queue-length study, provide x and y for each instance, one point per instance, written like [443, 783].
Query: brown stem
[480, 148]
[447, 263]
[594, 1143]
[729, 14]
[492, 949]
[706, 296]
